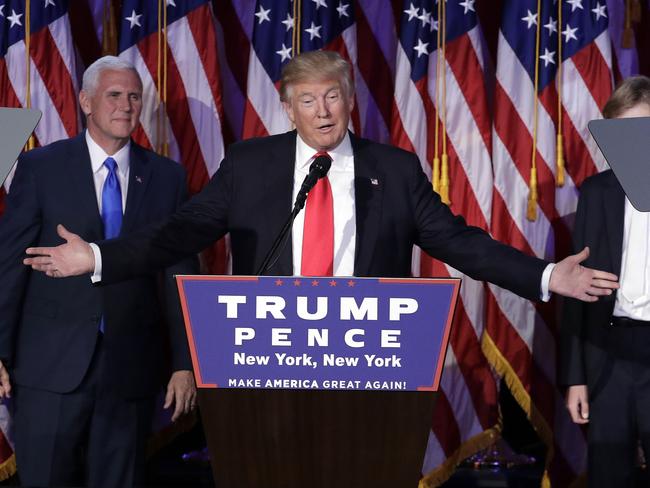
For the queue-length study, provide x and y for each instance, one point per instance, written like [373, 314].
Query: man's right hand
[577, 402]
[5, 384]
[73, 258]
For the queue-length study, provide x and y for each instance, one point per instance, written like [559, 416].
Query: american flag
[173, 45]
[441, 108]
[531, 83]
[48, 83]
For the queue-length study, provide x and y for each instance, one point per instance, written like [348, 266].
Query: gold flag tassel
[559, 157]
[435, 176]
[31, 142]
[444, 173]
[162, 145]
[109, 30]
[531, 212]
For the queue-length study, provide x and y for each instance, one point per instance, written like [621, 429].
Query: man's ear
[84, 102]
[288, 108]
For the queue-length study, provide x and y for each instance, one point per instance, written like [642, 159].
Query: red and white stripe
[466, 411]
[525, 334]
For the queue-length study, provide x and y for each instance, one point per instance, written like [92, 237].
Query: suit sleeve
[571, 367]
[197, 224]
[177, 337]
[19, 229]
[469, 249]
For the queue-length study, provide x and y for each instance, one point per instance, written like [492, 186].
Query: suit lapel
[278, 174]
[614, 211]
[84, 183]
[368, 194]
[139, 176]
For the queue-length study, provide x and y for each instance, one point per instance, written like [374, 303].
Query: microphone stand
[266, 264]
[317, 170]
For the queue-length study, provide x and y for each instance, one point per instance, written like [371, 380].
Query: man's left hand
[181, 391]
[570, 279]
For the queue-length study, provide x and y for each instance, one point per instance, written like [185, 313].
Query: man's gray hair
[91, 76]
[316, 66]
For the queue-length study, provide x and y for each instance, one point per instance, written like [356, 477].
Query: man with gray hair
[85, 363]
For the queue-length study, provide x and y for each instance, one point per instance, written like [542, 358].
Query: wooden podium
[316, 439]
[295, 394]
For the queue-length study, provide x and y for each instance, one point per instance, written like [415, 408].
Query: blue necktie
[111, 201]
[111, 207]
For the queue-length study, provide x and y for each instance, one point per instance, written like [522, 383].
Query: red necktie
[318, 233]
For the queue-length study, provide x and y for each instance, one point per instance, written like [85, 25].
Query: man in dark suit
[375, 204]
[605, 346]
[86, 362]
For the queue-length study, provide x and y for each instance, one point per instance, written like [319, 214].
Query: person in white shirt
[605, 346]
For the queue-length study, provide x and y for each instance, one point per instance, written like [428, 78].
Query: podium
[323, 420]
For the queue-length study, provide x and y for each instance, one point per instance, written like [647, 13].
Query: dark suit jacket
[48, 327]
[250, 197]
[585, 330]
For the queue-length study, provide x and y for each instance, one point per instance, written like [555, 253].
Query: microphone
[318, 168]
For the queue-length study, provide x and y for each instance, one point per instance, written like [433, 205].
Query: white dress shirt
[633, 298]
[341, 177]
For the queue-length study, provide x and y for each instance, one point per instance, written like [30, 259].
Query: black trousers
[619, 410]
[89, 437]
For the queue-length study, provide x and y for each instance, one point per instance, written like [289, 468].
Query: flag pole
[559, 158]
[435, 177]
[531, 212]
[31, 142]
[444, 173]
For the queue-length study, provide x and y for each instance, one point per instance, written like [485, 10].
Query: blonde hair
[316, 66]
[630, 93]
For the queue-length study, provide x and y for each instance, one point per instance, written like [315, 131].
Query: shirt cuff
[97, 273]
[546, 281]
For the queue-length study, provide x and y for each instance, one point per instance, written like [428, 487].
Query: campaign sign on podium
[318, 333]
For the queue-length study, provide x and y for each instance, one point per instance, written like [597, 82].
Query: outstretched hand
[570, 279]
[73, 258]
[5, 384]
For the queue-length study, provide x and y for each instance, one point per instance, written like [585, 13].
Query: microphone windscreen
[321, 164]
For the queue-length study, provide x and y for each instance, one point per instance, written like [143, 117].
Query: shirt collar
[98, 155]
[341, 154]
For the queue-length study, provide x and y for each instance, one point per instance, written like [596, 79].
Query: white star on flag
[599, 11]
[49, 2]
[569, 33]
[551, 26]
[467, 5]
[412, 12]
[434, 25]
[425, 18]
[548, 57]
[285, 52]
[343, 9]
[262, 15]
[171, 2]
[530, 19]
[134, 19]
[319, 3]
[288, 22]
[2, 10]
[421, 48]
[313, 31]
[14, 18]
[575, 4]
